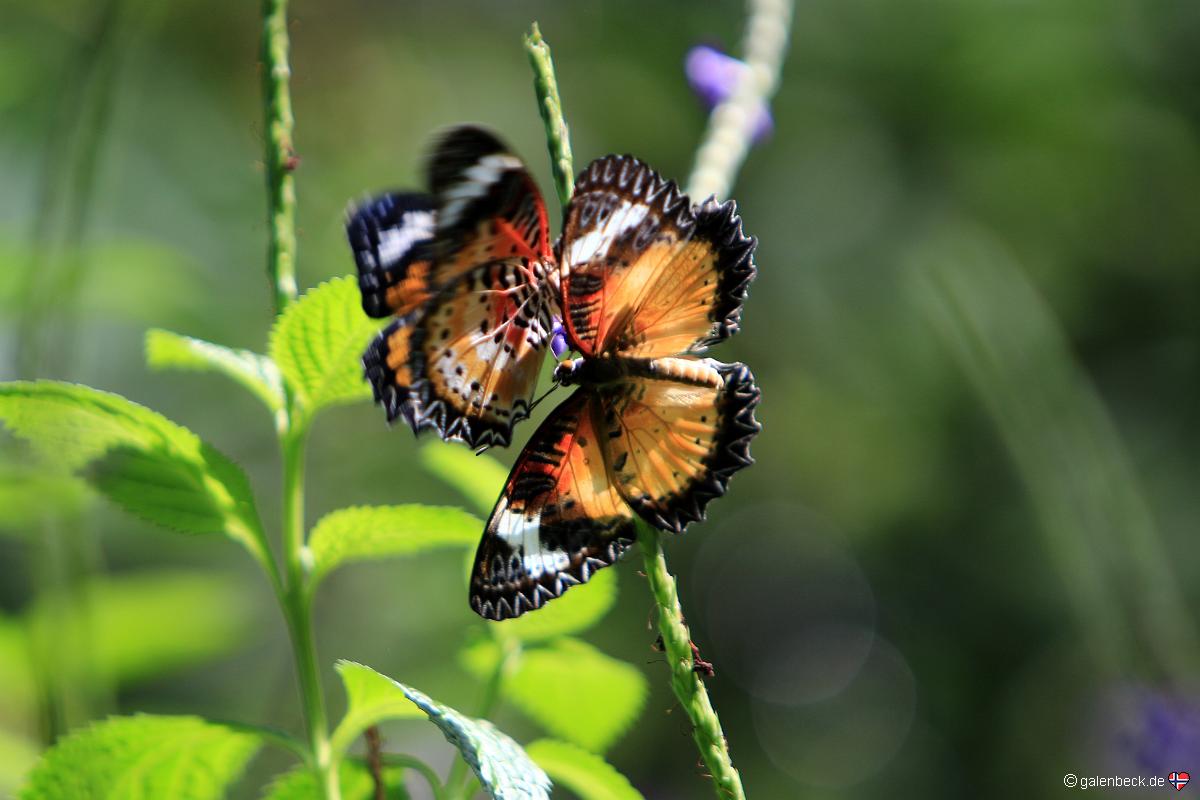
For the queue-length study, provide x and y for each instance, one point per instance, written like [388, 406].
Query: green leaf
[139, 459]
[143, 758]
[371, 698]
[317, 344]
[374, 532]
[585, 774]
[354, 778]
[479, 478]
[574, 612]
[167, 350]
[141, 625]
[502, 767]
[570, 688]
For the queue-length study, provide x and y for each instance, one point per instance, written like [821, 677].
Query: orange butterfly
[647, 281]
[468, 270]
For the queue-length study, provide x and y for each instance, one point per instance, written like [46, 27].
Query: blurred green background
[965, 562]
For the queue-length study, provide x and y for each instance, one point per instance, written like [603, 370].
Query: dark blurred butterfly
[468, 271]
[646, 281]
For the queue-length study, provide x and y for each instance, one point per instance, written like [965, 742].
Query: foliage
[316, 344]
[138, 458]
[376, 532]
[355, 779]
[143, 757]
[584, 773]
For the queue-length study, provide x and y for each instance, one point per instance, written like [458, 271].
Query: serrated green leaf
[574, 612]
[141, 625]
[354, 778]
[143, 757]
[576, 692]
[370, 698]
[584, 773]
[140, 459]
[374, 532]
[479, 478]
[502, 767]
[167, 350]
[317, 344]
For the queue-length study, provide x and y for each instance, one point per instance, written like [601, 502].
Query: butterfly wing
[391, 237]
[474, 313]
[674, 436]
[558, 520]
[489, 207]
[467, 363]
[645, 273]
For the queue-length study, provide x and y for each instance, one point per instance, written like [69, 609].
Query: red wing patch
[645, 274]
[558, 520]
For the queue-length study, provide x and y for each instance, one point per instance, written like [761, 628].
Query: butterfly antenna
[545, 394]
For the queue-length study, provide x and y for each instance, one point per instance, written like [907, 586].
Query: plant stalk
[558, 137]
[731, 125]
[297, 609]
[296, 600]
[280, 157]
[687, 684]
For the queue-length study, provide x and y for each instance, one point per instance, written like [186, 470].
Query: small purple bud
[558, 339]
[714, 77]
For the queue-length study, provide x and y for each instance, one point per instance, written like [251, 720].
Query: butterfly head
[569, 372]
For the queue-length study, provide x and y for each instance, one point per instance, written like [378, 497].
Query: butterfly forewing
[558, 519]
[674, 435]
[643, 272]
[391, 237]
[695, 297]
[489, 207]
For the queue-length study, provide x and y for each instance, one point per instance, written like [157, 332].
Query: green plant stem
[558, 137]
[297, 609]
[688, 687]
[280, 157]
[731, 125]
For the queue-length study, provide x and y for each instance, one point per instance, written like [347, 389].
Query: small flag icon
[1179, 780]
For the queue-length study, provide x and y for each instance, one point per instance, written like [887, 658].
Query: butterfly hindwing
[469, 361]
[391, 237]
[558, 519]
[645, 273]
[674, 435]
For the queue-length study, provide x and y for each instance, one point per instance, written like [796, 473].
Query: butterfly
[646, 282]
[468, 271]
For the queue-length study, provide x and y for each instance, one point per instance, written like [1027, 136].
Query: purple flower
[558, 339]
[714, 77]
[1149, 730]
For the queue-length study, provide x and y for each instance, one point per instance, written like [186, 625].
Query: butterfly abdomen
[688, 371]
